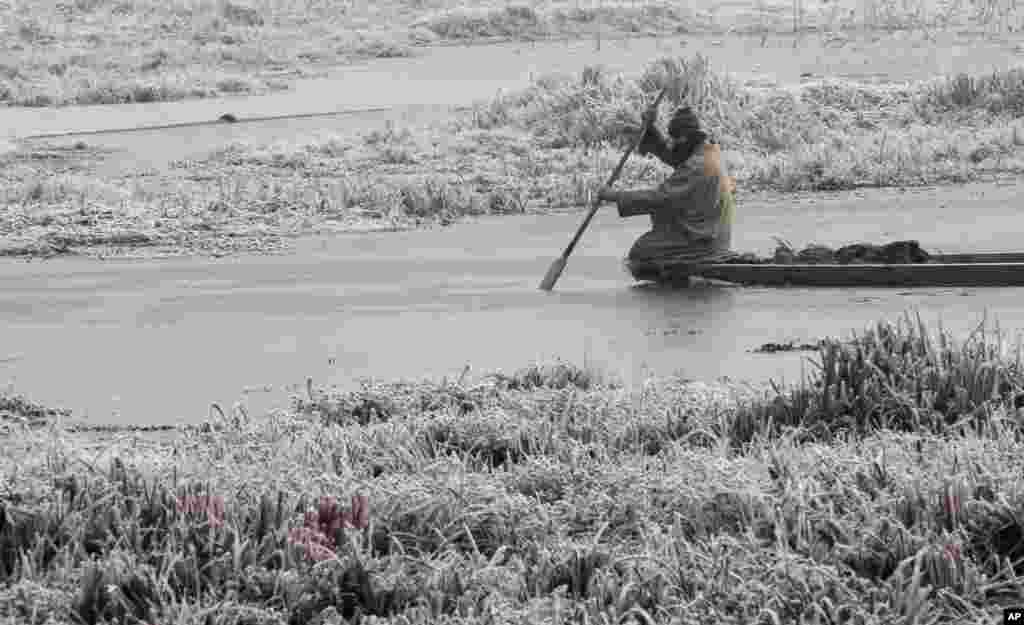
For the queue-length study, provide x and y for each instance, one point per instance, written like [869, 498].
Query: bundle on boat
[896, 252]
[896, 264]
[677, 268]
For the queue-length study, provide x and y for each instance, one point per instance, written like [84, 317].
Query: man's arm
[654, 143]
[639, 202]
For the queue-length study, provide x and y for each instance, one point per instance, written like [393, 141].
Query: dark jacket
[687, 218]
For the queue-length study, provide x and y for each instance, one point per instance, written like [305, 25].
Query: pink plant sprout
[952, 552]
[321, 525]
[212, 506]
[318, 546]
[952, 505]
[952, 508]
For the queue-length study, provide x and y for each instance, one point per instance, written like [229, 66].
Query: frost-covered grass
[885, 489]
[109, 51]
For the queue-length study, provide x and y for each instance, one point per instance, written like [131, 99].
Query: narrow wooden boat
[918, 268]
[999, 269]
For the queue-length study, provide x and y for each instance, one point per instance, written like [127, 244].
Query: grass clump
[541, 500]
[519, 22]
[996, 93]
[16, 408]
[472, 24]
[898, 377]
[826, 136]
[557, 376]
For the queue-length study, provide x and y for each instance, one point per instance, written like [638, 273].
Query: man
[692, 211]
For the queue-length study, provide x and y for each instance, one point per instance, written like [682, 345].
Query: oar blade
[554, 272]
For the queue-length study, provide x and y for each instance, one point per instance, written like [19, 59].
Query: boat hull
[950, 270]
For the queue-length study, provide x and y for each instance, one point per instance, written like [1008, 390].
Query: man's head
[684, 124]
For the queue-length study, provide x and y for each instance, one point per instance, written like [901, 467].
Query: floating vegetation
[791, 346]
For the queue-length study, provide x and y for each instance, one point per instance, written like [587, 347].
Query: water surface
[156, 342]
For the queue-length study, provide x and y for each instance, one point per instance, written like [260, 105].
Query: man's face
[683, 124]
[676, 139]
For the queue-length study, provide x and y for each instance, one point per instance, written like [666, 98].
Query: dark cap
[684, 123]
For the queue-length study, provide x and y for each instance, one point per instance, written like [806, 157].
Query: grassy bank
[547, 145]
[827, 135]
[101, 51]
[886, 489]
[105, 51]
[540, 149]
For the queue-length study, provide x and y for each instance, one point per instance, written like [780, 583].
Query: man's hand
[606, 194]
[648, 117]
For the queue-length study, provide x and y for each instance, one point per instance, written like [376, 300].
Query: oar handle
[611, 179]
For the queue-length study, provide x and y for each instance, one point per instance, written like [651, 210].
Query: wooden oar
[558, 266]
